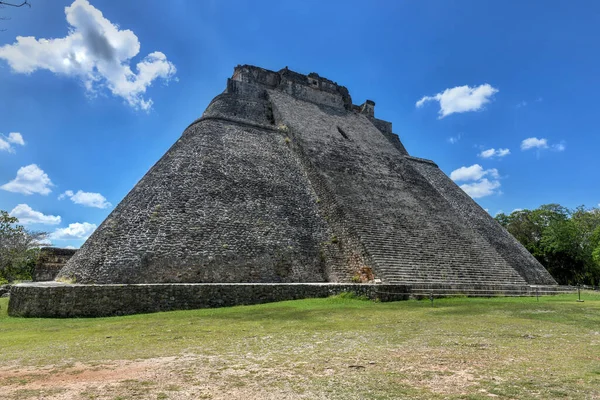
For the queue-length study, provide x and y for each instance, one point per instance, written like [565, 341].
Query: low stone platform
[54, 299]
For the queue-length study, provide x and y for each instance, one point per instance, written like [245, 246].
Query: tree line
[19, 249]
[565, 241]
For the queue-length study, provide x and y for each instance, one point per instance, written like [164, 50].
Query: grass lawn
[335, 348]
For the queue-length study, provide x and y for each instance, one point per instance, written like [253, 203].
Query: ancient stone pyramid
[283, 179]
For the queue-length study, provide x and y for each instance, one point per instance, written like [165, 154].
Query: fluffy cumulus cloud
[95, 51]
[534, 143]
[77, 230]
[472, 173]
[481, 188]
[479, 185]
[29, 180]
[461, 99]
[7, 142]
[87, 199]
[491, 153]
[541, 144]
[27, 216]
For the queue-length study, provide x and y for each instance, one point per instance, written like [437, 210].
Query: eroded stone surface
[283, 179]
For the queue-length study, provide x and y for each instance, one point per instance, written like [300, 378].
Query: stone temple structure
[284, 180]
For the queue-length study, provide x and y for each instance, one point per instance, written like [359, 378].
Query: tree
[19, 249]
[566, 242]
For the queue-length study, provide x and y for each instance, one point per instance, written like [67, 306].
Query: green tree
[566, 242]
[19, 249]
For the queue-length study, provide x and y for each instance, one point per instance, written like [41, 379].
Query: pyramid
[284, 180]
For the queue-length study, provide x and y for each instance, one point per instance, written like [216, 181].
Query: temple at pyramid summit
[283, 180]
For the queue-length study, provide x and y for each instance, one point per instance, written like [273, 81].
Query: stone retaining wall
[54, 299]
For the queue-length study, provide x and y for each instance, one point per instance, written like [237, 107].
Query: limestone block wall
[50, 262]
[53, 299]
[62, 300]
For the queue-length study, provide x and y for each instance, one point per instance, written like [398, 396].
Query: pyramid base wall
[60, 300]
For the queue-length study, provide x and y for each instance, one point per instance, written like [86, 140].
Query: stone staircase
[434, 255]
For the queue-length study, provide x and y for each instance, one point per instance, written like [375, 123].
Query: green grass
[335, 348]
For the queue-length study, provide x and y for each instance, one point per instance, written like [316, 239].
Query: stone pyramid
[283, 179]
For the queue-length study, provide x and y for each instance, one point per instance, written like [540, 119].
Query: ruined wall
[50, 262]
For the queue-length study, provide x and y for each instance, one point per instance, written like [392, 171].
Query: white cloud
[75, 230]
[489, 153]
[454, 139]
[533, 142]
[522, 104]
[541, 144]
[480, 188]
[559, 147]
[96, 51]
[30, 179]
[516, 210]
[461, 99]
[27, 215]
[71, 247]
[16, 138]
[6, 142]
[5, 146]
[86, 199]
[472, 173]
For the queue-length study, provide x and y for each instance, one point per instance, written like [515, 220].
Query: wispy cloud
[87, 199]
[454, 139]
[541, 144]
[460, 99]
[6, 142]
[521, 104]
[95, 51]
[491, 153]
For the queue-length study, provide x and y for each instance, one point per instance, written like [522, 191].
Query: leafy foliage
[566, 242]
[19, 249]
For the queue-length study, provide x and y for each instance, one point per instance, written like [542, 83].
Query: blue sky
[93, 94]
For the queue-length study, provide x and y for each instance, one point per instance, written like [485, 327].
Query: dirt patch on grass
[156, 378]
[212, 377]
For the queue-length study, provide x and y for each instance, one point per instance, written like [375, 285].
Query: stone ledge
[421, 160]
[55, 299]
